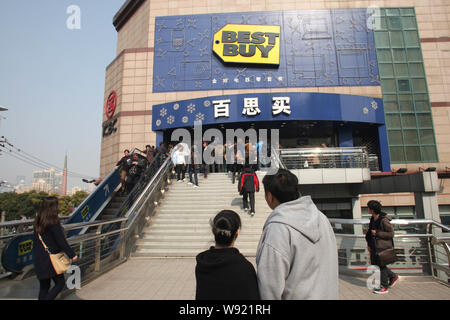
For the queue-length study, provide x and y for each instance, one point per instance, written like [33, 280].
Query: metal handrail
[394, 222]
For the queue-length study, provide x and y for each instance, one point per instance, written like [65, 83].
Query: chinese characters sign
[268, 107]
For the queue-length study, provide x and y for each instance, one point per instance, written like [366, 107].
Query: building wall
[131, 74]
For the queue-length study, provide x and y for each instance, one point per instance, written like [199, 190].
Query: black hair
[224, 226]
[283, 185]
[375, 206]
[47, 215]
[126, 150]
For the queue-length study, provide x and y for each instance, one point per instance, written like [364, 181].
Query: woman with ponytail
[222, 272]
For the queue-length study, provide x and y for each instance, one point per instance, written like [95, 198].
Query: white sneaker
[245, 209]
[189, 182]
[195, 186]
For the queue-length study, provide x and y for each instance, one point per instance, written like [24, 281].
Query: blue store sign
[318, 48]
[281, 106]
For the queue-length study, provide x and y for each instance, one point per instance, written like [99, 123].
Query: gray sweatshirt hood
[301, 214]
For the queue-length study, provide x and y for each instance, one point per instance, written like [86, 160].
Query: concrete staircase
[180, 227]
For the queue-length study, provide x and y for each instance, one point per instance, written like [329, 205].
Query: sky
[52, 81]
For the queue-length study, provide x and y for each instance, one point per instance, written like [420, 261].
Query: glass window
[386, 70]
[424, 120]
[394, 23]
[409, 22]
[411, 137]
[382, 39]
[396, 39]
[388, 86]
[412, 153]
[384, 55]
[390, 106]
[395, 137]
[406, 211]
[407, 11]
[419, 85]
[416, 70]
[399, 55]
[393, 121]
[392, 12]
[422, 105]
[390, 97]
[429, 153]
[383, 23]
[427, 137]
[414, 54]
[411, 39]
[403, 85]
[405, 102]
[397, 154]
[401, 70]
[409, 120]
[444, 209]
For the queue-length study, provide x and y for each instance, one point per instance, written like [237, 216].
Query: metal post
[98, 248]
[2, 220]
[122, 240]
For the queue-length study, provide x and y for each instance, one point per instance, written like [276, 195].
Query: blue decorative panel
[254, 107]
[318, 48]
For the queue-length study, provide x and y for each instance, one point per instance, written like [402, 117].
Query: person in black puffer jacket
[222, 272]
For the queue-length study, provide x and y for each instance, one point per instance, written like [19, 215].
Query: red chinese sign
[111, 104]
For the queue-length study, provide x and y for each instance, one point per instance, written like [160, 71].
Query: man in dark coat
[124, 169]
[248, 184]
[136, 166]
[379, 238]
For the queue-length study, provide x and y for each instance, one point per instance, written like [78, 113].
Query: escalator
[104, 203]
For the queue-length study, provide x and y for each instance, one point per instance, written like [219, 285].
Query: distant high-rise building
[64, 178]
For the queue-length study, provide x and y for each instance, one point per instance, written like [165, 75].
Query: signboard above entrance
[257, 44]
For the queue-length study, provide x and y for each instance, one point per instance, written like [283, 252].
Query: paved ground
[174, 279]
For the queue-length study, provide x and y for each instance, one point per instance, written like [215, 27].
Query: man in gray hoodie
[297, 253]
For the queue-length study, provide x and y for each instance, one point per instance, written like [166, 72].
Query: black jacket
[248, 182]
[384, 236]
[55, 240]
[225, 274]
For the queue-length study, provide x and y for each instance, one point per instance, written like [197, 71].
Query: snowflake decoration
[176, 106]
[365, 110]
[191, 108]
[158, 123]
[207, 103]
[170, 119]
[199, 117]
[374, 105]
[185, 119]
[163, 112]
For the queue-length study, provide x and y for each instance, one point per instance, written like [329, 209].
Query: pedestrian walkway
[174, 279]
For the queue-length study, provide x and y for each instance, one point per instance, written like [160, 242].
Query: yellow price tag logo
[242, 43]
[25, 247]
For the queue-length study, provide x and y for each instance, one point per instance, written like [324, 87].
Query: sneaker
[189, 182]
[381, 291]
[252, 214]
[195, 186]
[393, 281]
[245, 209]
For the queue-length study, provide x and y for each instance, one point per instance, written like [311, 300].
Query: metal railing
[419, 250]
[113, 240]
[321, 158]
